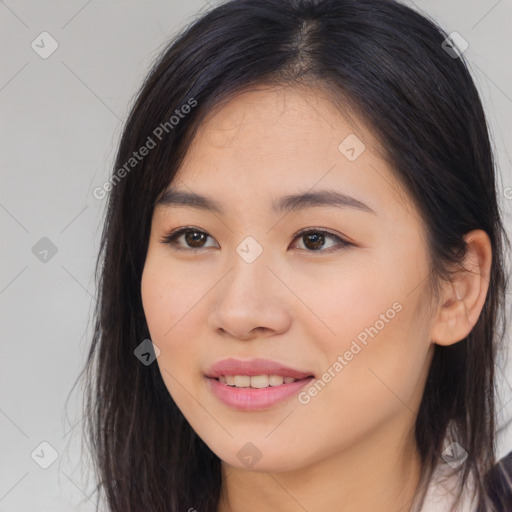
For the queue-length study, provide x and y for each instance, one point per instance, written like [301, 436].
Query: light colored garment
[443, 490]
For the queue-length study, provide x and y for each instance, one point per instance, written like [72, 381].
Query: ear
[463, 298]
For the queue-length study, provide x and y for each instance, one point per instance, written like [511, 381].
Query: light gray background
[60, 123]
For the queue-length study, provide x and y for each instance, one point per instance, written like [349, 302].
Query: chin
[263, 459]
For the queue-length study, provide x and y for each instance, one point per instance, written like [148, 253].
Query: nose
[250, 302]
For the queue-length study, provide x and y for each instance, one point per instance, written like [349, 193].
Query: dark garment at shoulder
[498, 483]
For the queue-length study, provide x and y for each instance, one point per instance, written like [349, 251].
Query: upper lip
[253, 367]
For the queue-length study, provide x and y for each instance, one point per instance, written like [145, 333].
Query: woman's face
[340, 307]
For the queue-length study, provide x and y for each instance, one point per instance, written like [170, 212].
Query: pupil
[192, 237]
[319, 240]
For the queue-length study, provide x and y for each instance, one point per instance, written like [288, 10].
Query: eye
[314, 239]
[194, 237]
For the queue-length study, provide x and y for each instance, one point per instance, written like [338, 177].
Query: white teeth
[275, 380]
[259, 381]
[242, 381]
[255, 381]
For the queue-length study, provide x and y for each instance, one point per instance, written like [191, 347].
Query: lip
[254, 367]
[247, 399]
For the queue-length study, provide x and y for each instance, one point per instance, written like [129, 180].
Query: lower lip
[249, 399]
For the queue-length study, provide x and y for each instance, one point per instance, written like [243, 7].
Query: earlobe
[463, 298]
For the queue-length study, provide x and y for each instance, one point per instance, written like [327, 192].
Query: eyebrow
[292, 202]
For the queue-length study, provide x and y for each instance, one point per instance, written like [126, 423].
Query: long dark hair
[379, 60]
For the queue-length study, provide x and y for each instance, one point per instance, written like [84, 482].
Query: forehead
[270, 142]
[292, 119]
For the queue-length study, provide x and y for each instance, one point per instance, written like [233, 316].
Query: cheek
[163, 309]
[366, 383]
[359, 304]
[173, 321]
[167, 299]
[376, 328]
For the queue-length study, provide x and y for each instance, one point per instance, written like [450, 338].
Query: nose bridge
[249, 299]
[250, 274]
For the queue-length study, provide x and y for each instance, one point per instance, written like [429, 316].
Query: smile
[254, 384]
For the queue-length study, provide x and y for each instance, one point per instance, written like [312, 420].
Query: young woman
[301, 274]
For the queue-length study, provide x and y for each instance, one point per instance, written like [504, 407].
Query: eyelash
[170, 238]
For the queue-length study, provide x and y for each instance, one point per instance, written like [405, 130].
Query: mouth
[255, 384]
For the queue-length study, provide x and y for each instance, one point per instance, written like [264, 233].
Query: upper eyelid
[303, 231]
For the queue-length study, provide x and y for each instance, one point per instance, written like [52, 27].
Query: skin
[351, 447]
